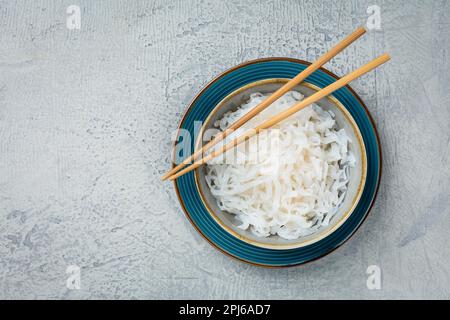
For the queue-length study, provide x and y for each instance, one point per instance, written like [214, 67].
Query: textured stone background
[85, 123]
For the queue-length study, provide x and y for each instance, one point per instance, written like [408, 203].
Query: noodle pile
[289, 182]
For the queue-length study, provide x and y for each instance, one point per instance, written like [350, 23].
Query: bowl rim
[300, 242]
[379, 156]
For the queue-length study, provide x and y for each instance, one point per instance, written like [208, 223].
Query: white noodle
[292, 192]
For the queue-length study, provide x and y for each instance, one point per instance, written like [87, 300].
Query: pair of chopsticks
[180, 169]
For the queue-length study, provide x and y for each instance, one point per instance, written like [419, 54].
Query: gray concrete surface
[85, 123]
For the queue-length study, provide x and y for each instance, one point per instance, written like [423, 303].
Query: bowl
[357, 176]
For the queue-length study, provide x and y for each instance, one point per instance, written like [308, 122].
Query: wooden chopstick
[285, 114]
[276, 95]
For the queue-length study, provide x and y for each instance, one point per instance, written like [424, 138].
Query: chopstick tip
[385, 57]
[165, 176]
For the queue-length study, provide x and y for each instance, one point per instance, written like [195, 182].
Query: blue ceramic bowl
[193, 204]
